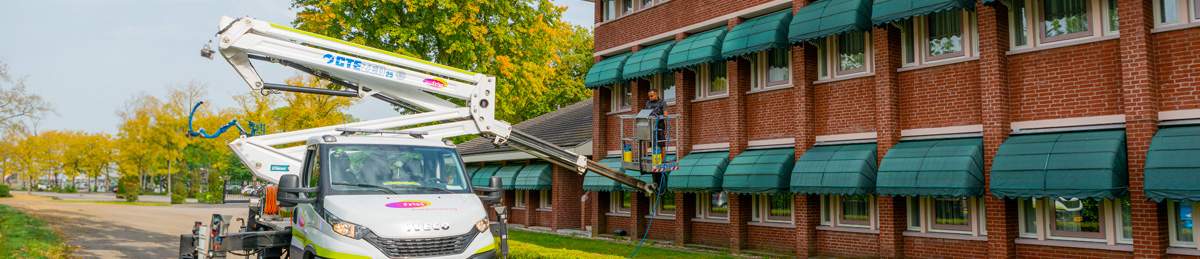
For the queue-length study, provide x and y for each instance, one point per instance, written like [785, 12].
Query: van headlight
[345, 228]
[482, 225]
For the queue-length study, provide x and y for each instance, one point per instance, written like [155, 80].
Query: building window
[770, 69]
[712, 205]
[621, 202]
[942, 36]
[962, 215]
[626, 7]
[519, 199]
[1056, 21]
[664, 208]
[848, 211]
[1076, 219]
[1180, 223]
[545, 199]
[850, 55]
[622, 97]
[610, 9]
[711, 81]
[777, 208]
[665, 85]
[1176, 12]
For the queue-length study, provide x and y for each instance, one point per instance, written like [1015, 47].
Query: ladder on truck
[418, 86]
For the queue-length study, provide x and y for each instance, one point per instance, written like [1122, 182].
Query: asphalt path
[119, 231]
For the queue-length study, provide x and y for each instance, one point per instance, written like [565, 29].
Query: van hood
[409, 216]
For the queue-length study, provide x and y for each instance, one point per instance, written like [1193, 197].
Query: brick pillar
[886, 43]
[993, 83]
[739, 214]
[1139, 98]
[685, 87]
[806, 209]
[738, 76]
[531, 202]
[638, 209]
[600, 206]
[565, 192]
[685, 210]
[596, 203]
[807, 215]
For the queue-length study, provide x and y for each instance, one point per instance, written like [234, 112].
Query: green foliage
[70, 188]
[22, 236]
[4, 191]
[522, 250]
[215, 193]
[129, 187]
[594, 246]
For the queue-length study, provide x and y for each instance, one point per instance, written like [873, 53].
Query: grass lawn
[519, 238]
[22, 236]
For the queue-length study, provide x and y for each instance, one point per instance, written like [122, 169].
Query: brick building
[897, 128]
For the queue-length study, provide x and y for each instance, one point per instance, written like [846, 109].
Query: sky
[89, 58]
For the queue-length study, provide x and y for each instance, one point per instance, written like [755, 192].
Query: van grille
[422, 247]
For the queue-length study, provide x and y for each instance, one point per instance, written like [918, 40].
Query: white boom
[408, 82]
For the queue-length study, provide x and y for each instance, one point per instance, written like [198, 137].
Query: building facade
[896, 128]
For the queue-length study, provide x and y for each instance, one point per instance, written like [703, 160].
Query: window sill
[618, 112]
[967, 237]
[863, 230]
[770, 88]
[710, 98]
[617, 214]
[1099, 245]
[1174, 27]
[704, 220]
[545, 209]
[661, 217]
[772, 224]
[844, 78]
[518, 208]
[1063, 44]
[1183, 251]
[942, 62]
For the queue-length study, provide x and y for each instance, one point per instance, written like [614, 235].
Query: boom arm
[397, 79]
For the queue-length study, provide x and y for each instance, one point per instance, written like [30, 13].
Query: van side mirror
[289, 191]
[491, 194]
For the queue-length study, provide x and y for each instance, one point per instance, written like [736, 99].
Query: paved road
[120, 231]
[103, 196]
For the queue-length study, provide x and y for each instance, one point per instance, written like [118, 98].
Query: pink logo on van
[408, 204]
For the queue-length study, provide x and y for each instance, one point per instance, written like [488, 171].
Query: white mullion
[1041, 211]
[973, 219]
[926, 214]
[1110, 234]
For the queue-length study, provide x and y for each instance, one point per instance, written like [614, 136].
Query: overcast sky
[87, 58]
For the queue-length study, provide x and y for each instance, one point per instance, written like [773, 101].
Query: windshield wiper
[377, 187]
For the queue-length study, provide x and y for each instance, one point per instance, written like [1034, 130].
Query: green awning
[829, 17]
[508, 176]
[699, 172]
[648, 61]
[697, 49]
[649, 178]
[535, 176]
[593, 182]
[470, 169]
[837, 169]
[886, 11]
[606, 72]
[1087, 164]
[758, 34]
[943, 167]
[759, 171]
[483, 176]
[1173, 164]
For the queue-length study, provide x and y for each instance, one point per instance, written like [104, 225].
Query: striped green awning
[508, 176]
[535, 176]
[1173, 164]
[696, 49]
[470, 169]
[759, 171]
[758, 34]
[648, 61]
[886, 11]
[829, 17]
[593, 182]
[483, 176]
[699, 172]
[943, 167]
[1087, 164]
[836, 169]
[606, 72]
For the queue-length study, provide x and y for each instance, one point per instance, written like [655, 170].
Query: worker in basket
[658, 109]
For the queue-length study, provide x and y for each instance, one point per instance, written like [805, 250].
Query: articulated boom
[414, 84]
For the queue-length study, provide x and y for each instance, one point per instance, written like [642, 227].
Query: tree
[19, 111]
[539, 59]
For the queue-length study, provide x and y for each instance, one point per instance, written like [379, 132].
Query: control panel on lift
[649, 148]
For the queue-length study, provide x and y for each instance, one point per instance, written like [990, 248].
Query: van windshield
[391, 169]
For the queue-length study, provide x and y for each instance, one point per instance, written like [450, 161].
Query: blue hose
[255, 128]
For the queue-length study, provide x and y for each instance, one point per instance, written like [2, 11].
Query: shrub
[4, 191]
[129, 188]
[521, 250]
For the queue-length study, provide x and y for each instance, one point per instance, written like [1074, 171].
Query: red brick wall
[661, 229]
[517, 216]
[846, 106]
[1175, 256]
[617, 222]
[712, 234]
[663, 18]
[567, 189]
[780, 240]
[544, 218]
[612, 133]
[709, 122]
[940, 96]
[769, 115]
[847, 244]
[1075, 81]
[920, 247]
[1178, 68]
[1036, 251]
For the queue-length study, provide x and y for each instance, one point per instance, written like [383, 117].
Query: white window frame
[703, 84]
[1110, 222]
[544, 200]
[1187, 15]
[1172, 217]
[656, 83]
[977, 223]
[920, 42]
[831, 212]
[619, 10]
[703, 207]
[760, 71]
[615, 203]
[1098, 25]
[519, 199]
[760, 209]
[617, 96]
[657, 210]
[828, 51]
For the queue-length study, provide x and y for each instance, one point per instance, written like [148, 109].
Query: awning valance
[697, 49]
[836, 169]
[535, 176]
[943, 167]
[758, 34]
[759, 171]
[829, 17]
[647, 61]
[1087, 164]
[1173, 164]
[606, 72]
[593, 182]
[699, 172]
[483, 176]
[886, 11]
[508, 176]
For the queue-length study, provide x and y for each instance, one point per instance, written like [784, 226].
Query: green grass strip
[23, 236]
[603, 247]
